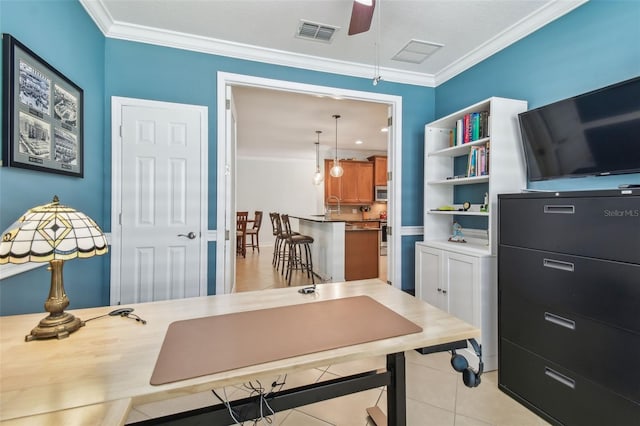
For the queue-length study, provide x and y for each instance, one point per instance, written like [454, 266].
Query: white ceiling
[264, 30]
[275, 123]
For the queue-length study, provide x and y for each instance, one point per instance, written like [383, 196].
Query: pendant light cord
[336, 156]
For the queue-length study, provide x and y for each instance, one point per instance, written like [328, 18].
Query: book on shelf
[471, 127]
[478, 161]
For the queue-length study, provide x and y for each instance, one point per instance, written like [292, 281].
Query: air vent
[417, 51]
[314, 31]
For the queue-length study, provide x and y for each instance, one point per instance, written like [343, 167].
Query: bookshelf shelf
[456, 151]
[458, 213]
[460, 181]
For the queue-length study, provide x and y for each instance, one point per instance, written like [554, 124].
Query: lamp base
[59, 325]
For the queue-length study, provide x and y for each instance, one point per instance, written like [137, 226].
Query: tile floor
[435, 392]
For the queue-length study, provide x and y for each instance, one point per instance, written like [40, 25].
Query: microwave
[381, 193]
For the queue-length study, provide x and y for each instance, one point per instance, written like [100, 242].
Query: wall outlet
[354, 211]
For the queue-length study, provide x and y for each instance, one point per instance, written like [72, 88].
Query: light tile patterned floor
[435, 393]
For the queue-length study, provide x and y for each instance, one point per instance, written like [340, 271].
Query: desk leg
[396, 391]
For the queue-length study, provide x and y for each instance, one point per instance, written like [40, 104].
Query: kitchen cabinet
[379, 169]
[355, 186]
[459, 283]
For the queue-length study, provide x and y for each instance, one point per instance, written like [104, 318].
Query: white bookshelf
[507, 171]
[461, 278]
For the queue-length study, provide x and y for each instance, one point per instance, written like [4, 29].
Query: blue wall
[595, 45]
[62, 34]
[153, 72]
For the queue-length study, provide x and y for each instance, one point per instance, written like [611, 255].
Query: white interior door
[230, 193]
[159, 218]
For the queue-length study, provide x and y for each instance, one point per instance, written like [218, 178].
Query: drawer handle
[558, 264]
[567, 381]
[559, 209]
[558, 320]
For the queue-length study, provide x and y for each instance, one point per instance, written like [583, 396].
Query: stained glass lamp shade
[53, 233]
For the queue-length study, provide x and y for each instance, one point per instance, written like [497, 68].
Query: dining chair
[241, 232]
[254, 231]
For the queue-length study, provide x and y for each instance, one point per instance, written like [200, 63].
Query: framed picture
[42, 114]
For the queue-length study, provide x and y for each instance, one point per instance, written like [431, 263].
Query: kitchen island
[362, 250]
[328, 245]
[342, 250]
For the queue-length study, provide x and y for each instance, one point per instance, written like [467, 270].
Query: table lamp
[53, 233]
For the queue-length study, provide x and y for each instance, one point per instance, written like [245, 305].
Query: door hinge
[389, 175]
[120, 218]
[389, 121]
[226, 235]
[120, 131]
[227, 103]
[389, 230]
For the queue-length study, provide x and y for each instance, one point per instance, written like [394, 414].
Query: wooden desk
[109, 362]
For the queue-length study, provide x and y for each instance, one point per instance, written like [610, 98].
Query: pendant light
[336, 170]
[317, 176]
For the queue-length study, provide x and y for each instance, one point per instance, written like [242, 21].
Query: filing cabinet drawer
[569, 398]
[603, 227]
[603, 290]
[591, 349]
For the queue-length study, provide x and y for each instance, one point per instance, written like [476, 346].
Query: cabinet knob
[444, 291]
[439, 289]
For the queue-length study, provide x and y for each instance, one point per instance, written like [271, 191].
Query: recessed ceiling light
[359, 142]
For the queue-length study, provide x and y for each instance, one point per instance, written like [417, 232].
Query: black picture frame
[43, 117]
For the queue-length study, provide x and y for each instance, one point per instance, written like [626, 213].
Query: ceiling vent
[314, 31]
[416, 51]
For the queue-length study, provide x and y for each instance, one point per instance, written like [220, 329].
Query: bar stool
[295, 243]
[279, 242]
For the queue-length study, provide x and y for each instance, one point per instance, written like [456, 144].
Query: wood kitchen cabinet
[355, 186]
[379, 169]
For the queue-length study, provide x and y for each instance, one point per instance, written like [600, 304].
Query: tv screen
[593, 134]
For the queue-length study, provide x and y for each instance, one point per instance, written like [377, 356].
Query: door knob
[190, 235]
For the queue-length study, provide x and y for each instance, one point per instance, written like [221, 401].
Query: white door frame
[117, 103]
[394, 149]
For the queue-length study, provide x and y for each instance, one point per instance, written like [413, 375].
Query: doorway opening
[227, 166]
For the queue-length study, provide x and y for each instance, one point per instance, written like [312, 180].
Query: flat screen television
[593, 134]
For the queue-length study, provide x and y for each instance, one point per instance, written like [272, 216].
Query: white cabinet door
[449, 281]
[461, 274]
[429, 280]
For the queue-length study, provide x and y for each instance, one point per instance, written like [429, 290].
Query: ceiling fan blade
[361, 16]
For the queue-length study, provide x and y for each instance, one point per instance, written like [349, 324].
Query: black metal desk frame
[394, 378]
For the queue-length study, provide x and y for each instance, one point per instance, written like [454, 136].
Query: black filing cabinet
[569, 304]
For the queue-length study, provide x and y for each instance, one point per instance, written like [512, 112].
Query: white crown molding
[118, 30]
[99, 14]
[538, 19]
